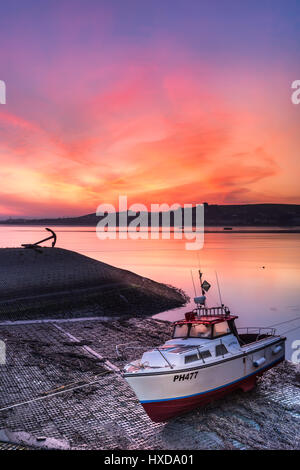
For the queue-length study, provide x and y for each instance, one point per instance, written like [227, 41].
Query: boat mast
[221, 303]
[202, 290]
[193, 284]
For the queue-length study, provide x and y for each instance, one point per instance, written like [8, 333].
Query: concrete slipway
[61, 381]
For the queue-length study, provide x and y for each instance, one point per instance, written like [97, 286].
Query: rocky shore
[53, 282]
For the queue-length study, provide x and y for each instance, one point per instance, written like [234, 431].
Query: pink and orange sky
[181, 102]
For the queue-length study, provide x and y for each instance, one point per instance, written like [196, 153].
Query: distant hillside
[281, 215]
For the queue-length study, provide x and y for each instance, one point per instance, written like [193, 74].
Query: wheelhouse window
[204, 354]
[181, 331]
[191, 358]
[221, 329]
[221, 350]
[195, 357]
[200, 331]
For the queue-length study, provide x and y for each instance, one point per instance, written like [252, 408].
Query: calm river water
[258, 273]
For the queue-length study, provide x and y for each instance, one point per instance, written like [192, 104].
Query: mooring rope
[286, 321]
[55, 393]
[292, 329]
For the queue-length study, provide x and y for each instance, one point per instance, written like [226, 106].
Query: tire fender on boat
[259, 362]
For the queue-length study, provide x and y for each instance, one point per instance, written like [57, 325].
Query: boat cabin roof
[207, 316]
[205, 323]
[204, 320]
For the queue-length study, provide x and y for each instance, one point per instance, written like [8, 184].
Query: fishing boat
[206, 358]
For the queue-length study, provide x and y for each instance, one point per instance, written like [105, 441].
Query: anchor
[35, 246]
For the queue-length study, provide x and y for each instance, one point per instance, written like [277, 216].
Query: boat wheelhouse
[206, 358]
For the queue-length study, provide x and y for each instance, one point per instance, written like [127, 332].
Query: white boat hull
[165, 394]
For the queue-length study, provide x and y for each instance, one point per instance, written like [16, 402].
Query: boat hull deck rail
[122, 349]
[251, 334]
[212, 311]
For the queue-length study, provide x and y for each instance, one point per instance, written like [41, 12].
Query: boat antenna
[200, 275]
[193, 283]
[219, 289]
[199, 261]
[202, 289]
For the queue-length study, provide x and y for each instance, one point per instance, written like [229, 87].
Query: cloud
[150, 125]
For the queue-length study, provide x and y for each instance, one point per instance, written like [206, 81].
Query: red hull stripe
[163, 411]
[218, 388]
